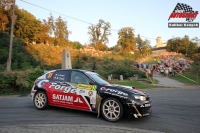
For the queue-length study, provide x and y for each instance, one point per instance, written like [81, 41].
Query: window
[80, 78]
[61, 76]
[99, 79]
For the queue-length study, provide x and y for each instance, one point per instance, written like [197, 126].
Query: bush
[19, 81]
[7, 83]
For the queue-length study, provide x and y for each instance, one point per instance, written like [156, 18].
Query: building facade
[160, 46]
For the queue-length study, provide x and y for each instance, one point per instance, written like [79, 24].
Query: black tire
[40, 100]
[112, 109]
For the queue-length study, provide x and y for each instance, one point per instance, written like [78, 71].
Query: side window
[61, 76]
[80, 78]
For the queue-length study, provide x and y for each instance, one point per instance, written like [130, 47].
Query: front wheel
[40, 100]
[112, 109]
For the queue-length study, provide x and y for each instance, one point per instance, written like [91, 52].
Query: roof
[83, 70]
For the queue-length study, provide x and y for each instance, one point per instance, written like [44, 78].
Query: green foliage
[136, 84]
[77, 63]
[99, 33]
[26, 26]
[77, 45]
[188, 78]
[110, 66]
[196, 57]
[126, 71]
[195, 68]
[126, 41]
[94, 65]
[21, 58]
[184, 45]
[58, 27]
[7, 83]
[4, 41]
[143, 46]
[19, 81]
[84, 57]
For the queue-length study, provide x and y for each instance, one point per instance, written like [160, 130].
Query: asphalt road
[174, 111]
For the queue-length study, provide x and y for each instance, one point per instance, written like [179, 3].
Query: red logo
[183, 11]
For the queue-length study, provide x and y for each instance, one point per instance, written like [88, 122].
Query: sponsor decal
[114, 92]
[49, 75]
[65, 99]
[86, 87]
[146, 114]
[78, 100]
[62, 98]
[59, 77]
[90, 93]
[81, 92]
[66, 89]
[103, 88]
[180, 11]
[92, 100]
[40, 83]
[145, 105]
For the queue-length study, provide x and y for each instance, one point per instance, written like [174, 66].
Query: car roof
[82, 70]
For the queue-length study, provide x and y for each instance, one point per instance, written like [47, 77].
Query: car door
[59, 85]
[85, 98]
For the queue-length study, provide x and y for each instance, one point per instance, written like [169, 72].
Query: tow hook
[137, 112]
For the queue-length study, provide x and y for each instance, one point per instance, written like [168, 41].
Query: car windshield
[99, 79]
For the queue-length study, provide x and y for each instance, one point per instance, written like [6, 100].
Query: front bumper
[140, 110]
[33, 92]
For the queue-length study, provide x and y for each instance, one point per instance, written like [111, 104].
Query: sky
[149, 18]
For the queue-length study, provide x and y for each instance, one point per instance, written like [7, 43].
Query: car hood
[128, 89]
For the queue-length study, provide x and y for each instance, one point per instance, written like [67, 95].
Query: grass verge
[188, 78]
[136, 84]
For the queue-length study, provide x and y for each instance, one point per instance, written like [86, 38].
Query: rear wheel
[112, 109]
[40, 100]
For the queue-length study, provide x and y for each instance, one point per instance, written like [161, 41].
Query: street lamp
[11, 34]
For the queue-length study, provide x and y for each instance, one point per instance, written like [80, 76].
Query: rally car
[87, 91]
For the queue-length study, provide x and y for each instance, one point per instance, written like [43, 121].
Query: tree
[3, 21]
[99, 33]
[196, 40]
[185, 43]
[22, 59]
[174, 44]
[27, 26]
[193, 48]
[139, 44]
[146, 49]
[58, 28]
[6, 15]
[77, 45]
[126, 39]
[43, 35]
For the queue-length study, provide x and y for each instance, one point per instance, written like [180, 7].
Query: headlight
[142, 98]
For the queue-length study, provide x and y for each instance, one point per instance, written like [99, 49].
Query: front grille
[145, 110]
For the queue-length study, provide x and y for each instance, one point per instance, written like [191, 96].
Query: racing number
[50, 75]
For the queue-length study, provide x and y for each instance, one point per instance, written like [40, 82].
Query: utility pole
[11, 39]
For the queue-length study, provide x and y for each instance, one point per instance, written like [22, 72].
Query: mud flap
[99, 112]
